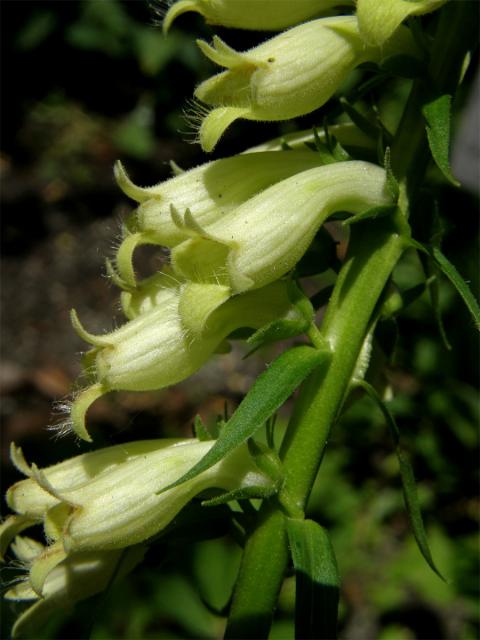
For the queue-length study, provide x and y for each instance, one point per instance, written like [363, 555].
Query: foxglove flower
[173, 332]
[290, 75]
[77, 577]
[377, 21]
[264, 238]
[259, 15]
[109, 499]
[208, 191]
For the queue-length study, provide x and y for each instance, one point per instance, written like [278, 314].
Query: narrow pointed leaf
[458, 282]
[317, 581]
[408, 481]
[370, 214]
[437, 117]
[450, 271]
[271, 389]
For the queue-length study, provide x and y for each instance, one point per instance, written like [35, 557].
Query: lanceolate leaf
[437, 116]
[317, 581]
[458, 282]
[267, 394]
[408, 480]
[450, 271]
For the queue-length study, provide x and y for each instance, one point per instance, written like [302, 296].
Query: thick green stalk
[373, 255]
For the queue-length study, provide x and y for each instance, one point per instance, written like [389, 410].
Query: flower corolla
[174, 330]
[263, 239]
[110, 498]
[258, 15]
[290, 75]
[378, 21]
[208, 191]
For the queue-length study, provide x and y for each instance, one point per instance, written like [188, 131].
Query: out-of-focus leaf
[317, 581]
[408, 480]
[270, 390]
[37, 29]
[215, 569]
[437, 117]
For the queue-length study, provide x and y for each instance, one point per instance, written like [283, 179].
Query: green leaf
[317, 581]
[247, 493]
[449, 270]
[372, 213]
[408, 480]
[437, 116]
[458, 282]
[268, 393]
[359, 119]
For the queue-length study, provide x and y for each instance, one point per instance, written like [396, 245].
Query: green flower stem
[266, 554]
[372, 257]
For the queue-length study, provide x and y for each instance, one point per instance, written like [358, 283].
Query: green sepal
[392, 182]
[331, 150]
[200, 430]
[248, 493]
[407, 477]
[370, 214]
[317, 581]
[270, 390]
[275, 331]
[437, 114]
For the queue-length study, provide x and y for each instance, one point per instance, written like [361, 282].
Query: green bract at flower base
[378, 20]
[180, 330]
[109, 499]
[259, 15]
[290, 75]
[264, 238]
[76, 578]
[208, 191]
[347, 134]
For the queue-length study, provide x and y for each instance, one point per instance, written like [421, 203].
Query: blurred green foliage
[120, 91]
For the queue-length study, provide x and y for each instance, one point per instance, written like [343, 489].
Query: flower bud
[265, 237]
[290, 75]
[377, 21]
[208, 191]
[179, 331]
[111, 500]
[259, 15]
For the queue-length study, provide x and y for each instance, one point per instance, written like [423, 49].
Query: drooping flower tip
[257, 15]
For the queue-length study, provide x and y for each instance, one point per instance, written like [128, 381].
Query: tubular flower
[109, 499]
[208, 191]
[259, 15]
[377, 21]
[173, 332]
[264, 238]
[77, 577]
[290, 75]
